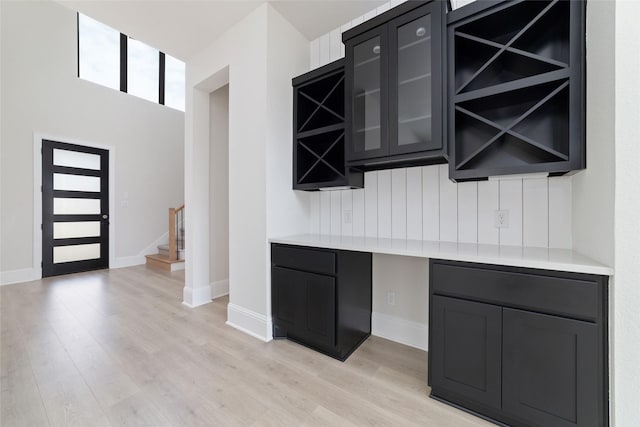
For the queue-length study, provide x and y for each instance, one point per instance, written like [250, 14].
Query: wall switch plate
[391, 298]
[502, 219]
[347, 216]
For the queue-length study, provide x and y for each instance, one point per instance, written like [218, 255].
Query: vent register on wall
[514, 100]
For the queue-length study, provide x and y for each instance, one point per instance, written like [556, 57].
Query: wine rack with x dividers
[516, 89]
[319, 151]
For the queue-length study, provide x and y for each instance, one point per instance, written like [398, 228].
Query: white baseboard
[19, 276]
[29, 274]
[128, 261]
[255, 324]
[400, 330]
[219, 288]
[195, 297]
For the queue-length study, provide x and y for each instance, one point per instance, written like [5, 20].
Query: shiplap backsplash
[422, 203]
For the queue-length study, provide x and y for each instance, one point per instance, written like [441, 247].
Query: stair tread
[163, 258]
[166, 248]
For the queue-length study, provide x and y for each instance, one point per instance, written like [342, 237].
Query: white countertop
[517, 256]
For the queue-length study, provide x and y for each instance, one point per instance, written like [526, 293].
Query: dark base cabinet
[321, 298]
[519, 346]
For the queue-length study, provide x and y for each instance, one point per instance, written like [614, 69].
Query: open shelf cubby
[318, 140]
[320, 103]
[516, 93]
[321, 157]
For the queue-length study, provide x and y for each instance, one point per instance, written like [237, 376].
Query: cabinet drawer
[304, 259]
[566, 294]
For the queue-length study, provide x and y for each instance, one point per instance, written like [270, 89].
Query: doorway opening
[219, 191]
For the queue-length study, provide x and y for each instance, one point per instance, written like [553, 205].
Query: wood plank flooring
[117, 348]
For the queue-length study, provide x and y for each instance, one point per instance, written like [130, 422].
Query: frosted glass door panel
[414, 82]
[76, 253]
[72, 230]
[66, 182]
[68, 206]
[76, 159]
[366, 103]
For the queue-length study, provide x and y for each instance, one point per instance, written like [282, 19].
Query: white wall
[238, 58]
[626, 289]
[287, 210]
[422, 203]
[219, 191]
[593, 195]
[261, 53]
[41, 93]
[403, 315]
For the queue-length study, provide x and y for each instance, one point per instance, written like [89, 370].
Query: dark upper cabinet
[516, 88]
[318, 131]
[393, 84]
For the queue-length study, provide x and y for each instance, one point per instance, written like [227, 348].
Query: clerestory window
[112, 59]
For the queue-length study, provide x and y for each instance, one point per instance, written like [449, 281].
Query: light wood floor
[117, 347]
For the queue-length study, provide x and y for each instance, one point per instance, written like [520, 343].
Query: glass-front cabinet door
[415, 82]
[367, 98]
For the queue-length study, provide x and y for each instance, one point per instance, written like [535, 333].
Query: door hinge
[41, 227]
[41, 264]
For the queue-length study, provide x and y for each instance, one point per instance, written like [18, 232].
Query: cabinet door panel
[415, 82]
[550, 370]
[366, 90]
[287, 296]
[304, 307]
[320, 316]
[465, 349]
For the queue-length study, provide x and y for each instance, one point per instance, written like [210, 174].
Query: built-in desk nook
[516, 334]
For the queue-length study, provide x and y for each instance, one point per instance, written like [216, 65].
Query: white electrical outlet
[391, 298]
[347, 216]
[502, 219]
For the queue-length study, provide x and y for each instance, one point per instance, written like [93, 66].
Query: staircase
[171, 257]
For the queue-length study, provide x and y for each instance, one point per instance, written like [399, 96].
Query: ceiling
[181, 28]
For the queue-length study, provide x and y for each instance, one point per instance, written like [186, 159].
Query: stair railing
[176, 231]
